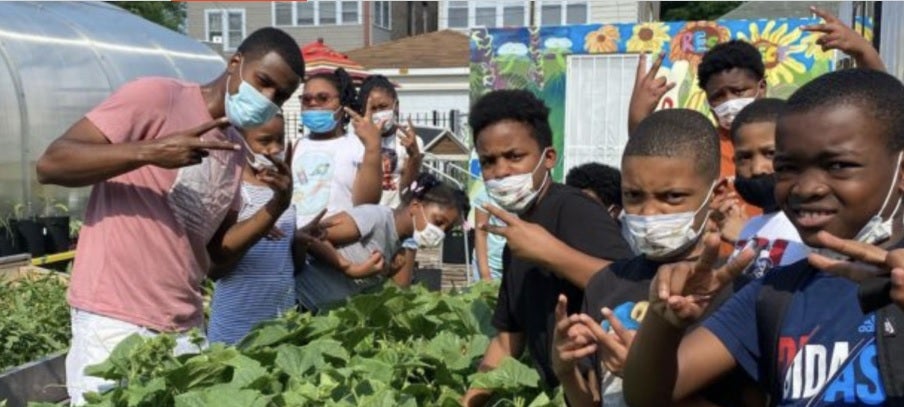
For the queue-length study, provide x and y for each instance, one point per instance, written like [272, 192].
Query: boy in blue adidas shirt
[838, 172]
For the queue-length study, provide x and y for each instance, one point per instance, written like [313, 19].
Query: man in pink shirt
[163, 210]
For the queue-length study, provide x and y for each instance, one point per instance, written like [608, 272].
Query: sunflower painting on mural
[648, 37]
[779, 45]
[602, 41]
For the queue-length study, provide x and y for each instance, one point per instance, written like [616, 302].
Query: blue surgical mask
[319, 121]
[248, 108]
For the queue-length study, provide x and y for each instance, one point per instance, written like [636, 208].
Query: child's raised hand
[613, 346]
[681, 292]
[365, 128]
[867, 261]
[648, 90]
[728, 213]
[572, 340]
[838, 35]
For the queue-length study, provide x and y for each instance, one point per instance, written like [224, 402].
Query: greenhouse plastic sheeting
[60, 59]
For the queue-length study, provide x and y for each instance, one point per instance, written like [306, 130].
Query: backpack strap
[890, 352]
[772, 301]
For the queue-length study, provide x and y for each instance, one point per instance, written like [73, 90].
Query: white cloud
[513, 48]
[557, 42]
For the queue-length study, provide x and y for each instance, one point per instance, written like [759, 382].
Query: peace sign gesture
[648, 90]
[279, 176]
[409, 140]
[184, 148]
[525, 240]
[368, 131]
[866, 262]
[681, 292]
[613, 346]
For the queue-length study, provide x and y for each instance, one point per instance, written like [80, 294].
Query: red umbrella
[318, 58]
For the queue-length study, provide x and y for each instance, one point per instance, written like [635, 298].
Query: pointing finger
[823, 14]
[853, 271]
[204, 128]
[641, 68]
[731, 271]
[214, 145]
[710, 254]
[617, 327]
[503, 215]
[656, 65]
[368, 109]
[496, 230]
[856, 250]
[352, 113]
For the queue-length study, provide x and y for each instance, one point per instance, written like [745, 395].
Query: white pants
[93, 339]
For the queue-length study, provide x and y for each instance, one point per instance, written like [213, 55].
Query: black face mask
[758, 190]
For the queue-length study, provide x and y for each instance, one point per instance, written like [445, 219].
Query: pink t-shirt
[142, 253]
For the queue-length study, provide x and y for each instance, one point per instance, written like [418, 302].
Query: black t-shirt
[624, 288]
[528, 294]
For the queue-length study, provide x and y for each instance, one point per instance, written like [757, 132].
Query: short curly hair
[603, 180]
[730, 55]
[517, 105]
[876, 94]
[683, 133]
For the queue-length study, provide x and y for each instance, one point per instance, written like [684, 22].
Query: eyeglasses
[322, 98]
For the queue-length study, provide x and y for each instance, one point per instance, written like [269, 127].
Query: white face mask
[430, 236]
[387, 115]
[516, 193]
[259, 161]
[877, 229]
[662, 236]
[728, 110]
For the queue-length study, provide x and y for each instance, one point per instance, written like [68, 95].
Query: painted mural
[534, 58]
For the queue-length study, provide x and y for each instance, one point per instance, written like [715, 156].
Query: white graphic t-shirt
[780, 242]
[324, 174]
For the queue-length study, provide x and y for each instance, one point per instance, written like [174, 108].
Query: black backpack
[779, 287]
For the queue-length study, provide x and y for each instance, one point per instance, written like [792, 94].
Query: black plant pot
[32, 234]
[56, 239]
[9, 239]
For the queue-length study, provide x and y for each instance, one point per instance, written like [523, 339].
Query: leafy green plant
[391, 348]
[35, 321]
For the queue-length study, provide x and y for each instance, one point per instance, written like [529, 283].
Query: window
[282, 14]
[225, 27]
[458, 14]
[576, 13]
[349, 12]
[328, 13]
[383, 14]
[550, 14]
[507, 13]
[485, 14]
[316, 12]
[513, 15]
[562, 12]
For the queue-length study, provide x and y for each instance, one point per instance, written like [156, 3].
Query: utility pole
[532, 18]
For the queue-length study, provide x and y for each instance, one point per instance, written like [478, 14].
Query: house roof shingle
[752, 10]
[439, 49]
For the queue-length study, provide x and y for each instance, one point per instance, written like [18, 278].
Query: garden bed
[34, 332]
